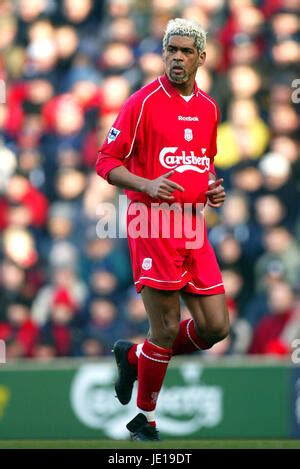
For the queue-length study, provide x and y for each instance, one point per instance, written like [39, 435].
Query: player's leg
[209, 325]
[204, 296]
[156, 262]
[163, 309]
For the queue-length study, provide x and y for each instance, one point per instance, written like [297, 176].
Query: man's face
[182, 59]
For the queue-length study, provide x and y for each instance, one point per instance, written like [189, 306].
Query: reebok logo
[188, 118]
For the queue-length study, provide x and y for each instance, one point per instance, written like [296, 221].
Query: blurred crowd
[68, 66]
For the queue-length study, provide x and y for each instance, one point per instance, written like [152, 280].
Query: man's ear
[202, 57]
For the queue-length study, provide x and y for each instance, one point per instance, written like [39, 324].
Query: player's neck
[185, 89]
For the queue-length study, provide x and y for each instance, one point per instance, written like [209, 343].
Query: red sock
[187, 341]
[152, 366]
[132, 358]
[153, 424]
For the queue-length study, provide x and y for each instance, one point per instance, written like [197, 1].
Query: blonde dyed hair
[187, 28]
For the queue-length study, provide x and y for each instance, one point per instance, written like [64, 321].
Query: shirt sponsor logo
[113, 134]
[147, 263]
[183, 162]
[188, 118]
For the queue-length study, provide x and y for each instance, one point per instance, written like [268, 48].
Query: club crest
[188, 135]
[147, 263]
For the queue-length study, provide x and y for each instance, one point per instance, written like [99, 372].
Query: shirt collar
[170, 90]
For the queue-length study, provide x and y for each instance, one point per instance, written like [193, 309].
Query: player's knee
[222, 333]
[218, 332]
[166, 336]
[168, 333]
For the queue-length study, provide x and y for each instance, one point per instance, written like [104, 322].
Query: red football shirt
[158, 130]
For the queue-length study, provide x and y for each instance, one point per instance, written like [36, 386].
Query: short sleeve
[119, 142]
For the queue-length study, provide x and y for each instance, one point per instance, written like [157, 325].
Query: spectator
[266, 337]
[59, 329]
[19, 331]
[64, 280]
[104, 322]
[282, 250]
[244, 136]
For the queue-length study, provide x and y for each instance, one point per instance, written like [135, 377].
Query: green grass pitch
[166, 444]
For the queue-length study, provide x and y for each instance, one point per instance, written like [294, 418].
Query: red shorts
[169, 262]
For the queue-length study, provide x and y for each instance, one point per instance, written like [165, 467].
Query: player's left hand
[216, 194]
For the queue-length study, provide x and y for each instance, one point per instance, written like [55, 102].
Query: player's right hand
[162, 187]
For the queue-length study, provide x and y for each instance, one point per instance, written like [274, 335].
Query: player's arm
[216, 193]
[118, 146]
[159, 188]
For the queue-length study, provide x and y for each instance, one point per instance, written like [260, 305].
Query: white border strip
[208, 288]
[164, 88]
[154, 359]
[208, 99]
[163, 281]
[138, 121]
[189, 335]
